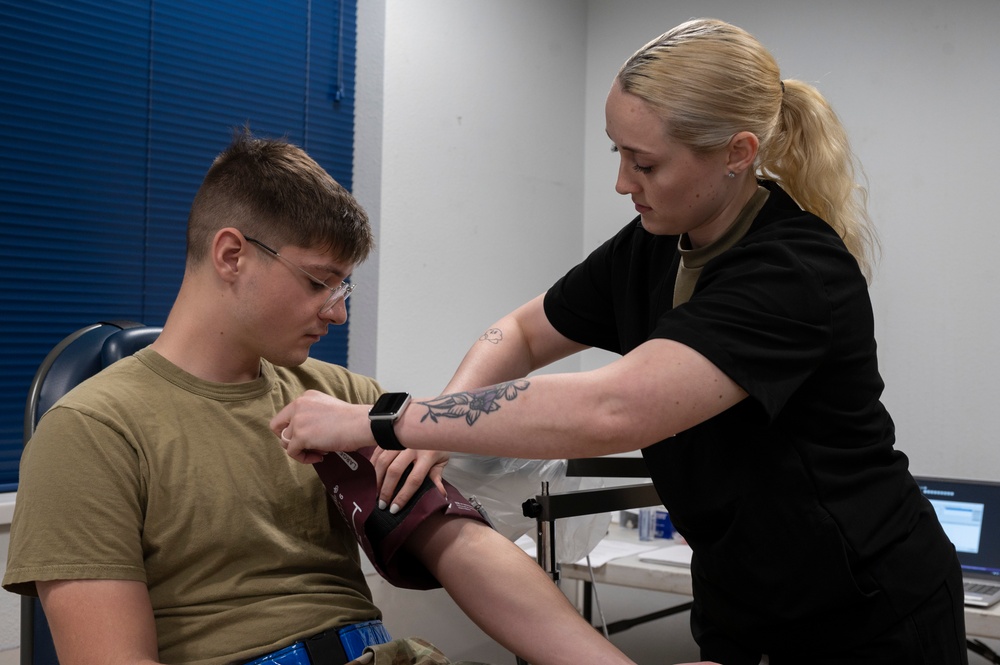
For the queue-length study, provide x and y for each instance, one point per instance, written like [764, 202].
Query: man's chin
[288, 360]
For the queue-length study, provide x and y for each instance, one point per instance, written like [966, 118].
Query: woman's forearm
[513, 347]
[659, 389]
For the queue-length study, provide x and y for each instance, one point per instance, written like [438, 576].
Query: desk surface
[630, 572]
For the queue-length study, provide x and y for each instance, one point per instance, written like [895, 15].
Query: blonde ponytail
[709, 80]
[810, 157]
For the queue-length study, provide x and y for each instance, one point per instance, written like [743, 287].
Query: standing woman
[739, 303]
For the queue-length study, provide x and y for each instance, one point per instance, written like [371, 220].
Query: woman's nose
[625, 184]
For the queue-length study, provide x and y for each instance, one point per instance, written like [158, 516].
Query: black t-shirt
[805, 522]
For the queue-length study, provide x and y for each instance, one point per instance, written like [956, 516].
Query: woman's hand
[315, 423]
[390, 465]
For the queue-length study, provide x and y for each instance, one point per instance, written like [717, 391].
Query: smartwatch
[383, 416]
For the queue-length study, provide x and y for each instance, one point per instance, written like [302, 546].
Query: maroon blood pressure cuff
[350, 482]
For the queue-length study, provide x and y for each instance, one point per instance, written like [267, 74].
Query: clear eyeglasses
[341, 291]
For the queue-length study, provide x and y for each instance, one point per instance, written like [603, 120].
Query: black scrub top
[806, 524]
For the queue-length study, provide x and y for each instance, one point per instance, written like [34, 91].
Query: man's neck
[199, 341]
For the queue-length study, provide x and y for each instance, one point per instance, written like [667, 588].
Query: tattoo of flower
[493, 336]
[470, 405]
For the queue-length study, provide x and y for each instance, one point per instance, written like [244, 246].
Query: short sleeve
[760, 315]
[81, 479]
[582, 305]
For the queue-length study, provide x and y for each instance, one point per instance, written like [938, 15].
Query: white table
[630, 572]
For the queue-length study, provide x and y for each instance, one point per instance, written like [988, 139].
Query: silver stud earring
[730, 175]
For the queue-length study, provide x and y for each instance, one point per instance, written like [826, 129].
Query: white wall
[10, 606]
[489, 173]
[479, 168]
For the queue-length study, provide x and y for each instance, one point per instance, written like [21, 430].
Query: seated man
[158, 521]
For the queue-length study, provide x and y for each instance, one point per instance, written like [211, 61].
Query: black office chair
[78, 356]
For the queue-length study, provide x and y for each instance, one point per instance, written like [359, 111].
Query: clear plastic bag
[503, 484]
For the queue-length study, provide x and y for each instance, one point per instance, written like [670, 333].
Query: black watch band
[385, 435]
[383, 416]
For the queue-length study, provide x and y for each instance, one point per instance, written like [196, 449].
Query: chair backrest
[78, 356]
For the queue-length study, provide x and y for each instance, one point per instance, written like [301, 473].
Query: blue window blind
[110, 114]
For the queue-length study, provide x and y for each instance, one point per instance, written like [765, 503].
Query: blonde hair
[709, 80]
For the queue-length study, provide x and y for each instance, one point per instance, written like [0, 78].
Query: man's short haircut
[273, 191]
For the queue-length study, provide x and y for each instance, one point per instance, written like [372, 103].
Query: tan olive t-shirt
[147, 473]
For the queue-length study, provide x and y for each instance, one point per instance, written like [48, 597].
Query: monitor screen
[969, 512]
[962, 521]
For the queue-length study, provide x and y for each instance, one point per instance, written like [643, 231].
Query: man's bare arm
[100, 622]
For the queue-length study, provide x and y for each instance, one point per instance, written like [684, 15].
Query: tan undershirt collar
[693, 260]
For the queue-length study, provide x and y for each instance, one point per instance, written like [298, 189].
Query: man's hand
[314, 424]
[390, 465]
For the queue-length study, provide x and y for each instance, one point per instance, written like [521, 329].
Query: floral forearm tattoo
[472, 404]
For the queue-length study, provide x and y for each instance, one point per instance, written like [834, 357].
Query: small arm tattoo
[472, 404]
[493, 336]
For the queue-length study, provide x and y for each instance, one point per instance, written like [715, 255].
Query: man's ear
[228, 251]
[742, 151]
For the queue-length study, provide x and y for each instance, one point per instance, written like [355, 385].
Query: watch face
[389, 406]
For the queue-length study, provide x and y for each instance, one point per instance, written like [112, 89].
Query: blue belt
[332, 647]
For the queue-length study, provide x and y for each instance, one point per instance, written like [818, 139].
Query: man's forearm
[510, 597]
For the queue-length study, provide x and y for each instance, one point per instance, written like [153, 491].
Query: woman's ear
[742, 153]
[228, 249]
